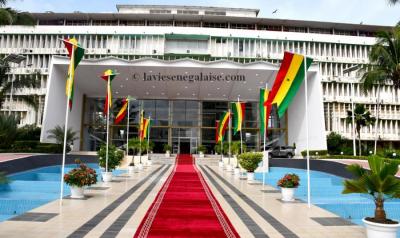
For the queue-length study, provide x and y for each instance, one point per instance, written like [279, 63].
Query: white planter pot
[201, 155]
[221, 164]
[236, 172]
[149, 162]
[167, 154]
[379, 230]
[288, 194]
[107, 176]
[250, 177]
[229, 168]
[77, 192]
[131, 169]
[139, 166]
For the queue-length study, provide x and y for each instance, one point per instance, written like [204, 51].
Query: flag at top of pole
[290, 76]
[238, 109]
[222, 125]
[75, 53]
[146, 127]
[108, 75]
[263, 110]
[122, 113]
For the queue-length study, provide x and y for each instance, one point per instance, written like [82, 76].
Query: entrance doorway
[184, 147]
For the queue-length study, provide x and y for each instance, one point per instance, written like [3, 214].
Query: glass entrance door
[184, 140]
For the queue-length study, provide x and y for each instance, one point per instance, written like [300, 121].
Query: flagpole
[148, 140]
[230, 137]
[307, 133]
[127, 130]
[265, 139]
[108, 119]
[140, 132]
[241, 139]
[66, 131]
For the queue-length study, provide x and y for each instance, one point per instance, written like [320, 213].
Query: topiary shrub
[115, 156]
[249, 161]
[202, 149]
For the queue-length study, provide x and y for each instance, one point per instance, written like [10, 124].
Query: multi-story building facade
[208, 34]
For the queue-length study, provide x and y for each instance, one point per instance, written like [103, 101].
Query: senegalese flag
[216, 131]
[122, 113]
[238, 109]
[288, 81]
[223, 124]
[75, 53]
[141, 125]
[108, 75]
[264, 110]
[146, 128]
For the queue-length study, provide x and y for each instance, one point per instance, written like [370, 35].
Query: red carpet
[185, 207]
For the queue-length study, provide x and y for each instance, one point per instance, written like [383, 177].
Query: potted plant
[167, 149]
[249, 161]
[381, 184]
[131, 167]
[236, 150]
[115, 157]
[288, 185]
[201, 149]
[78, 178]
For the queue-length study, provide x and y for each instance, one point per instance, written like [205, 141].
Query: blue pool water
[30, 189]
[326, 192]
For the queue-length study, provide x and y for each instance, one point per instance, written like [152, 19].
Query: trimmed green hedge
[314, 152]
[35, 147]
[343, 157]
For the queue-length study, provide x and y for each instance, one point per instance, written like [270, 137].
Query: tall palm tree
[24, 81]
[393, 1]
[384, 60]
[362, 118]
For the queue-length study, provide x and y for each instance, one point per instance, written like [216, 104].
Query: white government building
[246, 50]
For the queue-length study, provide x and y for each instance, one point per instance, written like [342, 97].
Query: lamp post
[16, 59]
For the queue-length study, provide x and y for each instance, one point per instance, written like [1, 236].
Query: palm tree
[384, 60]
[9, 16]
[380, 182]
[23, 81]
[57, 133]
[8, 130]
[362, 118]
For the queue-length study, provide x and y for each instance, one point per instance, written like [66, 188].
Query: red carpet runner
[185, 207]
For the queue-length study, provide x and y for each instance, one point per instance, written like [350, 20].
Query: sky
[372, 12]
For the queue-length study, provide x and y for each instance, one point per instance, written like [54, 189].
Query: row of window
[207, 24]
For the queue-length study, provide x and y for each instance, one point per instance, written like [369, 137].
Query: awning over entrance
[179, 79]
[184, 79]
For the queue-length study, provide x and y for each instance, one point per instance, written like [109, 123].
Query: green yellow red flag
[75, 53]
[108, 75]
[238, 109]
[222, 125]
[122, 112]
[263, 109]
[288, 81]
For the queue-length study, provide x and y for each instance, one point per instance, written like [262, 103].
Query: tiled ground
[117, 210]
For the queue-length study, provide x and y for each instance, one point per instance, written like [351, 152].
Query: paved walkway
[363, 163]
[116, 209]
[13, 156]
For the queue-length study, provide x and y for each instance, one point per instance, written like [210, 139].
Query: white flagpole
[108, 120]
[241, 138]
[148, 140]
[127, 130]
[140, 136]
[307, 134]
[230, 135]
[65, 134]
[265, 139]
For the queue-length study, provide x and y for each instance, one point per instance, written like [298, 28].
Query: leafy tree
[9, 16]
[57, 133]
[136, 145]
[380, 183]
[335, 143]
[362, 118]
[8, 130]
